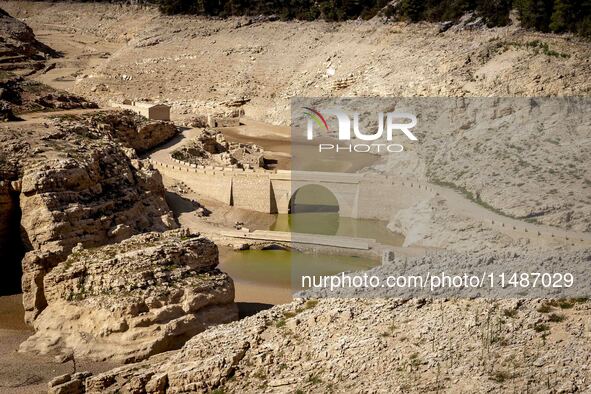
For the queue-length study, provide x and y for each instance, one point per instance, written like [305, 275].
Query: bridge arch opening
[313, 209]
[313, 198]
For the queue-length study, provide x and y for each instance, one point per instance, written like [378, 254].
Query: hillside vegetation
[546, 15]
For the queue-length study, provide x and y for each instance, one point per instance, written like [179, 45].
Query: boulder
[128, 301]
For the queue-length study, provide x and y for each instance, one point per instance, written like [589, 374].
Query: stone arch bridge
[367, 196]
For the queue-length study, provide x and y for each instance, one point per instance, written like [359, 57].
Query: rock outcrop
[377, 345]
[68, 383]
[211, 148]
[128, 301]
[102, 279]
[126, 127]
[75, 187]
[103, 199]
[19, 96]
[76, 197]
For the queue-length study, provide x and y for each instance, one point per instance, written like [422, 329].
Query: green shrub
[556, 317]
[280, 323]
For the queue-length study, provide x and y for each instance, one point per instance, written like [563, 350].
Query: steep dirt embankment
[200, 64]
[21, 54]
[75, 185]
[20, 51]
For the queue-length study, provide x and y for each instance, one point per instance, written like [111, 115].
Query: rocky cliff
[125, 302]
[19, 95]
[376, 345]
[72, 187]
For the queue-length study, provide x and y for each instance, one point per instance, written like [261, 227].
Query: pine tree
[583, 19]
[535, 13]
[170, 7]
[543, 15]
[495, 12]
[563, 15]
[413, 9]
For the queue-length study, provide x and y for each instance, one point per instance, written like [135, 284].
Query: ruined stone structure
[151, 111]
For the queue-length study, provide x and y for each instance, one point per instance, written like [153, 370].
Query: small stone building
[149, 110]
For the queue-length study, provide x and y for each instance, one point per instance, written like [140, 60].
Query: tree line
[557, 16]
[543, 15]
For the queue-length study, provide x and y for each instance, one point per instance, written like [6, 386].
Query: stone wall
[359, 195]
[379, 197]
[253, 192]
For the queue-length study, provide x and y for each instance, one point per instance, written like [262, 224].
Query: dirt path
[537, 233]
[81, 52]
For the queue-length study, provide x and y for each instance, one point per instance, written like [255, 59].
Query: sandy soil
[24, 373]
[198, 64]
[80, 51]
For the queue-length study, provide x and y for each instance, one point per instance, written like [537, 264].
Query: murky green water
[274, 268]
[315, 210]
[271, 276]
